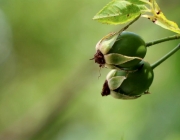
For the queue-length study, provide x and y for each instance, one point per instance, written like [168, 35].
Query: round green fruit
[125, 85]
[124, 50]
[129, 44]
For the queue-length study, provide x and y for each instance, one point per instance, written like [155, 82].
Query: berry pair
[130, 76]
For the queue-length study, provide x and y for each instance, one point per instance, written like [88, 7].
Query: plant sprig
[123, 11]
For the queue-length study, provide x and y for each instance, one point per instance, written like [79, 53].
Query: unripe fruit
[124, 50]
[125, 85]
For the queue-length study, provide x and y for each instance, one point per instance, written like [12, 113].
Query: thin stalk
[124, 28]
[163, 40]
[165, 57]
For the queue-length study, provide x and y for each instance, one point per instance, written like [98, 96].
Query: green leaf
[159, 18]
[118, 12]
[143, 8]
[137, 2]
[162, 21]
[141, 4]
[117, 59]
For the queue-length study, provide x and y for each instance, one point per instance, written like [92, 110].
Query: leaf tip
[95, 17]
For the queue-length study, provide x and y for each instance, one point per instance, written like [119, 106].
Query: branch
[163, 40]
[165, 57]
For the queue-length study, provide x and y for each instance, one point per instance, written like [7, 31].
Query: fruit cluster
[130, 76]
[124, 51]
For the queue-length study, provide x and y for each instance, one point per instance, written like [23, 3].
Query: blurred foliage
[49, 90]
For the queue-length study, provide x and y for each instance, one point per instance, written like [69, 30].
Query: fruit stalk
[163, 40]
[127, 26]
[165, 57]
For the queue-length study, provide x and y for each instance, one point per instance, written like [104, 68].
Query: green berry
[125, 85]
[124, 50]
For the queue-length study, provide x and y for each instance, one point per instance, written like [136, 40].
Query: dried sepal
[115, 82]
[118, 59]
[106, 43]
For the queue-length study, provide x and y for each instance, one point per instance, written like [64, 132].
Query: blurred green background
[49, 89]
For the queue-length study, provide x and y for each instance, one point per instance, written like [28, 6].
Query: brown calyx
[99, 58]
[105, 90]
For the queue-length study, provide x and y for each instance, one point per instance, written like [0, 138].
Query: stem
[163, 40]
[129, 24]
[165, 57]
